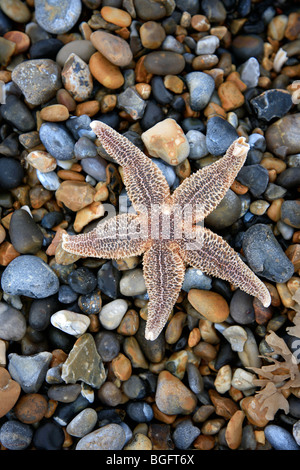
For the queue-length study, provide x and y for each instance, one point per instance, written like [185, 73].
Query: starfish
[168, 247]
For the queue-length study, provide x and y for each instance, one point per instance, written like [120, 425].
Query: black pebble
[108, 278]
[51, 219]
[45, 48]
[82, 280]
[152, 115]
[11, 173]
[160, 92]
[16, 113]
[49, 436]
[107, 345]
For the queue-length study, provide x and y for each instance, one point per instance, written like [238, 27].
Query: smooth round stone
[16, 113]
[265, 255]
[29, 371]
[220, 134]
[77, 78]
[72, 323]
[280, 438]
[255, 177]
[11, 173]
[139, 411]
[112, 313]
[246, 46]
[108, 345]
[49, 436]
[51, 219]
[139, 442]
[85, 148]
[82, 280]
[170, 43]
[45, 48]
[113, 48]
[64, 393]
[109, 437]
[15, 435]
[9, 392]
[241, 308]
[12, 323]
[259, 207]
[42, 161]
[108, 74]
[290, 213]
[41, 311]
[152, 34]
[66, 295]
[195, 379]
[95, 167]
[16, 10]
[167, 170]
[75, 194]
[273, 192]
[25, 234]
[185, 433]
[57, 16]
[38, 79]
[289, 178]
[172, 396]
[49, 180]
[31, 408]
[164, 63]
[110, 395]
[152, 115]
[207, 45]
[149, 10]
[57, 140]
[282, 136]
[197, 142]
[166, 140]
[81, 47]
[210, 304]
[236, 336]
[132, 283]
[83, 423]
[226, 213]
[250, 72]
[134, 387]
[196, 279]
[201, 87]
[91, 304]
[30, 276]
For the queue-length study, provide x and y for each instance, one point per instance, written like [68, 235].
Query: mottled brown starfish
[166, 249]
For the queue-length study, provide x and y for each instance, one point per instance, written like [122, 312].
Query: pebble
[255, 177]
[214, 10]
[132, 103]
[223, 379]
[45, 48]
[250, 72]
[197, 143]
[29, 275]
[107, 344]
[77, 78]
[219, 135]
[9, 392]
[115, 49]
[152, 34]
[15, 435]
[272, 104]
[108, 278]
[132, 283]
[207, 45]
[42, 161]
[31, 408]
[49, 180]
[166, 140]
[29, 371]
[182, 400]
[57, 140]
[83, 423]
[38, 79]
[109, 394]
[241, 308]
[116, 16]
[185, 433]
[84, 363]
[201, 87]
[164, 63]
[139, 442]
[12, 323]
[25, 234]
[290, 213]
[109, 437]
[49, 436]
[139, 411]
[265, 255]
[75, 194]
[210, 304]
[236, 336]
[83, 48]
[108, 74]
[196, 279]
[281, 136]
[70, 322]
[62, 16]
[234, 430]
[246, 46]
[11, 173]
[17, 114]
[112, 313]
[82, 280]
[280, 438]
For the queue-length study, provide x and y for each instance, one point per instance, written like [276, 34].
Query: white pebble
[112, 313]
[242, 379]
[207, 45]
[72, 323]
[237, 336]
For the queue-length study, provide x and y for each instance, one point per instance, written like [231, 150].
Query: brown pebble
[41, 160]
[213, 109]
[52, 405]
[5, 76]
[54, 113]
[200, 23]
[21, 40]
[152, 34]
[144, 90]
[7, 253]
[64, 97]
[239, 188]
[90, 108]
[210, 304]
[255, 411]
[205, 350]
[234, 429]
[75, 194]
[108, 103]
[9, 392]
[292, 31]
[204, 442]
[293, 253]
[141, 73]
[38, 196]
[108, 74]
[174, 327]
[194, 337]
[70, 175]
[160, 436]
[116, 16]
[274, 211]
[129, 323]
[109, 394]
[174, 83]
[262, 314]
[212, 426]
[230, 96]
[224, 406]
[235, 77]
[121, 367]
[172, 396]
[205, 61]
[2, 233]
[115, 49]
[31, 408]
[160, 416]
[202, 413]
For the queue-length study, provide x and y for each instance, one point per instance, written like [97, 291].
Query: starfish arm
[164, 274]
[205, 189]
[212, 255]
[144, 181]
[118, 237]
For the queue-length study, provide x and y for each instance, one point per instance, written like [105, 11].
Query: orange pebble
[70, 175]
[116, 16]
[21, 40]
[90, 108]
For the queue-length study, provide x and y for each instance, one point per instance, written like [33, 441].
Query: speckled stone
[29, 371]
[77, 78]
[83, 423]
[172, 396]
[58, 17]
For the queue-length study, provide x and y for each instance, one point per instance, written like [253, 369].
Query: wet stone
[280, 438]
[15, 435]
[38, 79]
[29, 371]
[57, 140]
[265, 255]
[77, 78]
[82, 280]
[31, 276]
[272, 104]
[16, 113]
[62, 16]
[108, 278]
[12, 323]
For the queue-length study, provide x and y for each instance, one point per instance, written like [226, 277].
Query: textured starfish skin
[165, 252]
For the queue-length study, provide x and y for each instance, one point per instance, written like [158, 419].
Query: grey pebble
[15, 435]
[195, 279]
[109, 437]
[12, 323]
[16, 113]
[95, 167]
[57, 16]
[250, 72]
[265, 255]
[29, 275]
[25, 234]
[48, 180]
[57, 140]
[197, 142]
[280, 438]
[255, 177]
[226, 213]
[184, 434]
[64, 393]
[83, 423]
[219, 135]
[241, 308]
[84, 148]
[201, 86]
[167, 170]
[29, 371]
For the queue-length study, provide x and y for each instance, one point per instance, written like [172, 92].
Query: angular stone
[84, 363]
[29, 371]
[77, 78]
[172, 396]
